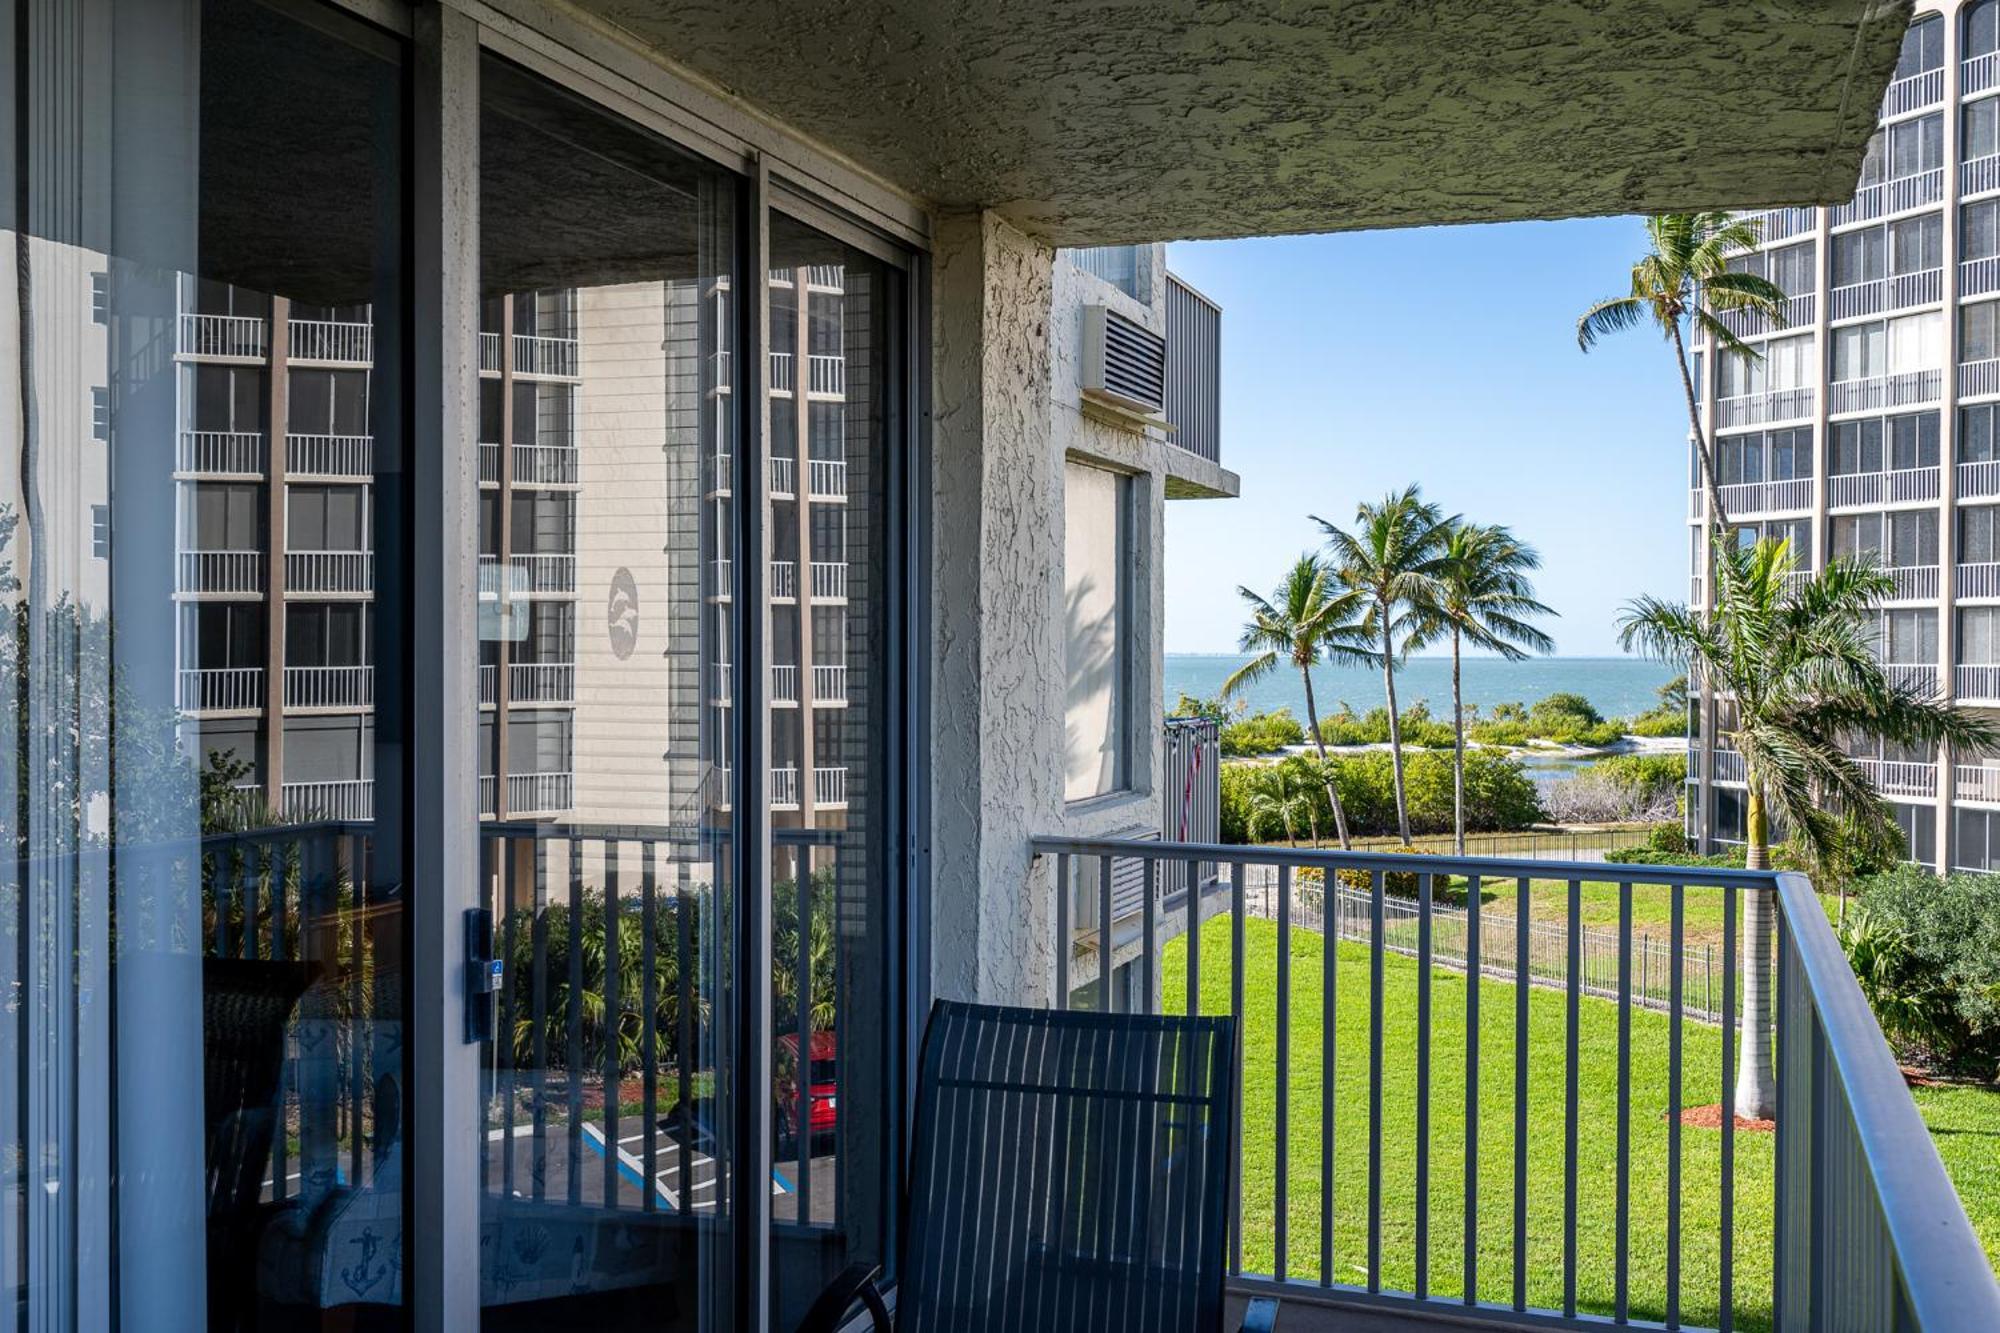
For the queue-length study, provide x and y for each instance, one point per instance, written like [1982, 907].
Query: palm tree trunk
[1457, 752]
[1326, 773]
[1718, 521]
[1756, 1077]
[1395, 725]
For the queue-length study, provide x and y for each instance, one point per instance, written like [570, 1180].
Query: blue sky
[1354, 364]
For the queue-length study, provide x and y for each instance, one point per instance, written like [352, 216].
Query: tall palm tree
[1480, 596]
[1300, 626]
[1686, 276]
[1278, 802]
[1391, 558]
[1800, 663]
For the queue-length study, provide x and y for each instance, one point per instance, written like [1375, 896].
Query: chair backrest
[1069, 1171]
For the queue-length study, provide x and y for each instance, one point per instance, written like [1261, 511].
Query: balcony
[332, 342]
[783, 374]
[1779, 224]
[1979, 175]
[541, 682]
[1864, 1227]
[1917, 92]
[529, 793]
[1729, 767]
[1193, 404]
[1895, 777]
[830, 686]
[1894, 196]
[1978, 479]
[1919, 676]
[785, 580]
[346, 572]
[489, 684]
[489, 464]
[1915, 485]
[1977, 681]
[722, 579]
[830, 787]
[1756, 409]
[545, 573]
[1978, 379]
[826, 376]
[1976, 782]
[334, 688]
[1766, 497]
[1897, 292]
[1910, 389]
[229, 572]
[1979, 580]
[785, 788]
[1913, 583]
[547, 358]
[220, 453]
[1793, 312]
[784, 478]
[1978, 73]
[489, 353]
[341, 799]
[829, 580]
[225, 337]
[784, 684]
[220, 690]
[342, 457]
[545, 465]
[826, 478]
[1976, 277]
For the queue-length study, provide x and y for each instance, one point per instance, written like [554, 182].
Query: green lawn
[1966, 1120]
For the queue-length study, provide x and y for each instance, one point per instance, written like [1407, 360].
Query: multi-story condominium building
[1867, 427]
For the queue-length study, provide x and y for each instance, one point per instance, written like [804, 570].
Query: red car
[821, 1091]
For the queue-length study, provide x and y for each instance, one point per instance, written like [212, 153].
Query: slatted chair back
[1070, 1173]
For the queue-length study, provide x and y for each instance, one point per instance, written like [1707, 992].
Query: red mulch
[1710, 1117]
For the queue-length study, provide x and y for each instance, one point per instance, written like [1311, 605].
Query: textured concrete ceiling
[1103, 121]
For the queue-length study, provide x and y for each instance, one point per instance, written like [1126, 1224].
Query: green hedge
[1499, 794]
[1926, 949]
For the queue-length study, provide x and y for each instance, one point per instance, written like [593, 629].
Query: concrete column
[277, 463]
[996, 597]
[1947, 639]
[503, 533]
[802, 610]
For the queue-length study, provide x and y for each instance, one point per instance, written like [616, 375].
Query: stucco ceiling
[1103, 121]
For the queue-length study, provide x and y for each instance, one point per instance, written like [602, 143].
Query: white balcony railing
[346, 798]
[1895, 196]
[1914, 583]
[489, 464]
[784, 478]
[1777, 224]
[722, 687]
[1858, 298]
[829, 786]
[1976, 479]
[545, 465]
[1913, 93]
[1729, 766]
[1884, 391]
[1977, 680]
[1755, 409]
[1697, 502]
[235, 336]
[1919, 676]
[1976, 277]
[220, 453]
[827, 277]
[542, 682]
[1979, 579]
[1901, 486]
[329, 687]
[330, 571]
[721, 474]
[785, 788]
[552, 357]
[338, 341]
[553, 572]
[1978, 175]
[827, 376]
[830, 685]
[784, 579]
[783, 376]
[489, 684]
[1977, 379]
[1976, 782]
[827, 478]
[1924, 287]
[1767, 497]
[219, 689]
[1896, 777]
[330, 455]
[537, 793]
[829, 580]
[221, 571]
[784, 684]
[1793, 312]
[489, 353]
[1978, 74]
[722, 578]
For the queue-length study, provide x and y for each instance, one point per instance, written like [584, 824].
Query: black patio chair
[1071, 1173]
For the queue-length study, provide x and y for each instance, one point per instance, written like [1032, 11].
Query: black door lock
[483, 975]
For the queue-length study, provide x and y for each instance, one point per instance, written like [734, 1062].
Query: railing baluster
[1375, 1082]
[649, 1021]
[1065, 932]
[1523, 975]
[1329, 943]
[1149, 878]
[1423, 1230]
[573, 1053]
[1193, 939]
[1621, 1256]
[1104, 935]
[1726, 1295]
[538, 999]
[1472, 986]
[803, 891]
[613, 890]
[1571, 1035]
[1284, 1091]
[496, 868]
[1676, 959]
[685, 969]
[1236, 914]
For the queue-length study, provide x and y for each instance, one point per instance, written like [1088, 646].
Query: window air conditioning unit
[1124, 366]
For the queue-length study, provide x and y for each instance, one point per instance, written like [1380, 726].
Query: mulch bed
[1710, 1117]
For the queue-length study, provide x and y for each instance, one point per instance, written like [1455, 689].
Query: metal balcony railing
[1908, 389]
[829, 685]
[489, 464]
[1892, 196]
[721, 474]
[1979, 579]
[220, 453]
[529, 793]
[1978, 175]
[785, 788]
[1896, 777]
[220, 572]
[1976, 277]
[347, 456]
[338, 341]
[722, 578]
[784, 579]
[1977, 680]
[330, 571]
[1778, 224]
[220, 689]
[546, 572]
[826, 376]
[722, 686]
[1756, 409]
[783, 375]
[1766, 497]
[1900, 486]
[1583, 1101]
[238, 337]
[553, 358]
[826, 478]
[829, 580]
[1922, 676]
[1913, 583]
[489, 684]
[1729, 766]
[545, 465]
[542, 682]
[329, 687]
[1977, 379]
[1978, 73]
[346, 798]
[489, 353]
[1193, 404]
[1913, 93]
[1976, 782]
[784, 684]
[829, 786]
[784, 478]
[1976, 479]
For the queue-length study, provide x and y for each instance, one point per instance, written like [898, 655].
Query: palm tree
[1481, 596]
[1686, 276]
[1391, 558]
[1799, 660]
[1277, 802]
[1301, 626]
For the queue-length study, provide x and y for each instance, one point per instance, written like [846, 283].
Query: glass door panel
[607, 611]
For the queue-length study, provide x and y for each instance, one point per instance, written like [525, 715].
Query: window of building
[1909, 637]
[1982, 32]
[1976, 437]
[1979, 330]
[1793, 269]
[1790, 363]
[1857, 536]
[1731, 818]
[326, 518]
[1739, 458]
[544, 522]
[1913, 440]
[1738, 375]
[1979, 226]
[1923, 47]
[1096, 560]
[1916, 244]
[337, 748]
[1978, 535]
[328, 402]
[1789, 453]
[1979, 635]
[221, 298]
[100, 532]
[327, 634]
[1855, 446]
[1975, 834]
[100, 413]
[544, 413]
[228, 516]
[1912, 538]
[228, 398]
[1860, 351]
[1979, 128]
[1861, 255]
[1916, 146]
[1916, 342]
[1874, 159]
[1919, 826]
[219, 635]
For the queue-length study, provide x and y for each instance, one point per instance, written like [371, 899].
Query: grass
[1965, 1120]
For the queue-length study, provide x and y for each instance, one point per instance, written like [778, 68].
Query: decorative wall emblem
[621, 614]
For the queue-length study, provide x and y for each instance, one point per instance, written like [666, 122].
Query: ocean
[1617, 686]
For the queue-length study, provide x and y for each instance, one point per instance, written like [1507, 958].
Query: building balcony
[1729, 767]
[830, 787]
[1979, 379]
[1896, 777]
[228, 572]
[722, 579]
[1756, 409]
[784, 478]
[785, 580]
[826, 478]
[545, 358]
[1913, 583]
[346, 799]
[1766, 497]
[332, 342]
[1917, 92]
[1881, 295]
[529, 794]
[1978, 479]
[721, 474]
[341, 457]
[220, 454]
[489, 684]
[220, 690]
[347, 572]
[721, 684]
[1894, 196]
[1915, 485]
[1979, 175]
[1977, 277]
[785, 788]
[826, 376]
[489, 464]
[1979, 580]
[548, 573]
[829, 580]
[1979, 783]
[784, 684]
[1919, 676]
[830, 686]
[1781, 224]
[545, 465]
[1977, 682]
[1978, 73]
[225, 337]
[1911, 389]
[334, 688]
[1793, 312]
[489, 353]
[541, 682]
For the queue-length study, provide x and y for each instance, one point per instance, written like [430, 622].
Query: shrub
[1263, 733]
[1498, 792]
[1402, 884]
[1660, 722]
[1648, 856]
[1926, 949]
[1668, 838]
[1420, 729]
[1623, 788]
